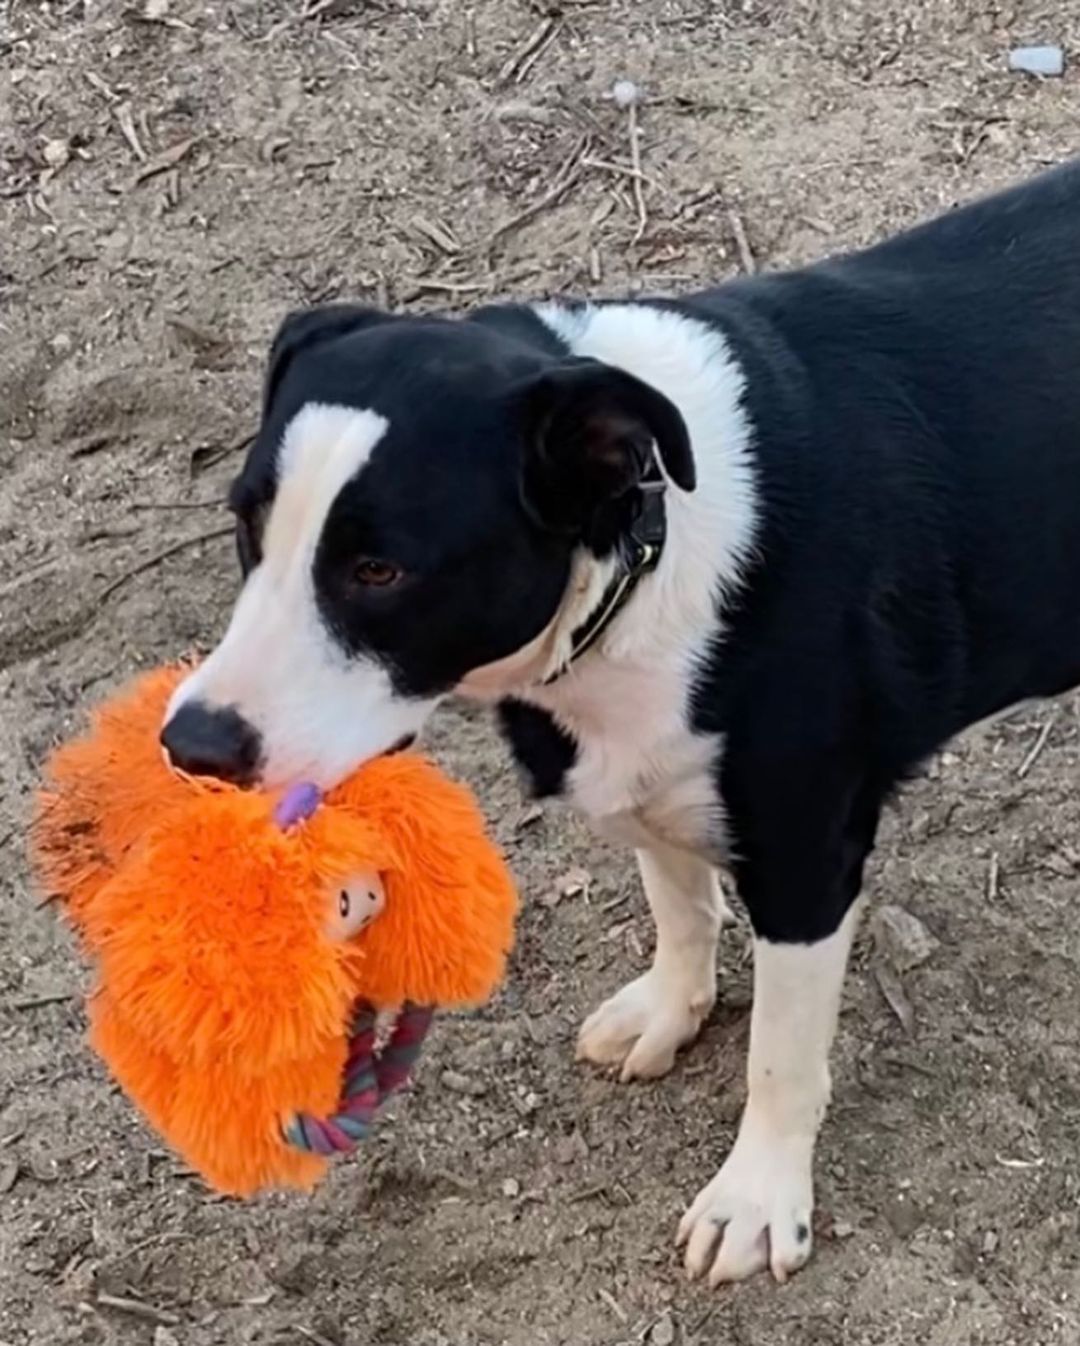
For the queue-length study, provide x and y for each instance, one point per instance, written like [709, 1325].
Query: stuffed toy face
[233, 934]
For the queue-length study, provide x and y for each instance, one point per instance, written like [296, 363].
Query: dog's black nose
[212, 741]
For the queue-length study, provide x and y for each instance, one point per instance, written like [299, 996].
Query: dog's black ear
[306, 328]
[590, 430]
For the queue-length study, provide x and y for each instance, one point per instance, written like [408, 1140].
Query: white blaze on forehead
[319, 710]
[323, 448]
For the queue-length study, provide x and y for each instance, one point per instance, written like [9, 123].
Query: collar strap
[641, 551]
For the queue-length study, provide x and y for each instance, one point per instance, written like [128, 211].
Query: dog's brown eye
[378, 574]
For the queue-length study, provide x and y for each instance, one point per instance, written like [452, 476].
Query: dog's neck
[709, 532]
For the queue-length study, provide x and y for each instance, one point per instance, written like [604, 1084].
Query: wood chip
[309, 1334]
[614, 1305]
[463, 1084]
[136, 1308]
[96, 82]
[436, 232]
[528, 816]
[901, 938]
[892, 988]
[167, 159]
[126, 123]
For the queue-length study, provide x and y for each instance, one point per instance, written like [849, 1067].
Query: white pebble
[1046, 61]
[625, 92]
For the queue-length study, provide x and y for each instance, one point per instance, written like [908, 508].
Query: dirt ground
[173, 176]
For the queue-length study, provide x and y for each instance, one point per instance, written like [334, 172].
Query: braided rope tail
[370, 1079]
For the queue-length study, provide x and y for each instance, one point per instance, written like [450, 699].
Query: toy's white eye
[357, 902]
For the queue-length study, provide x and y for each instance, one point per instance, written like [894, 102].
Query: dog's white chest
[641, 772]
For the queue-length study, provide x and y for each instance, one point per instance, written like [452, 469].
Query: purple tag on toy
[296, 804]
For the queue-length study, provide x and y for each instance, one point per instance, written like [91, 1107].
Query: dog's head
[409, 513]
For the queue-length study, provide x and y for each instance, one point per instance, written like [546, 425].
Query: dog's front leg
[643, 1025]
[803, 825]
[756, 1212]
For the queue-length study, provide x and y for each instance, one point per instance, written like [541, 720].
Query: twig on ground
[207, 456]
[621, 170]
[180, 504]
[567, 176]
[614, 1305]
[526, 54]
[37, 1001]
[151, 561]
[742, 243]
[445, 286]
[994, 877]
[135, 1308]
[310, 1335]
[1039, 744]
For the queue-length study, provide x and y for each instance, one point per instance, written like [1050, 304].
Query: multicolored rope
[370, 1078]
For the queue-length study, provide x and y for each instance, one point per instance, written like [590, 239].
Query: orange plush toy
[244, 944]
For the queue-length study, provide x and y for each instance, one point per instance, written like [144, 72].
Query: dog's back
[917, 409]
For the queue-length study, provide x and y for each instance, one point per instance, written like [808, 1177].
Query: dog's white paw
[644, 1025]
[756, 1212]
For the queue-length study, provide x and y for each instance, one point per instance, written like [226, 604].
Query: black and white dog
[730, 565]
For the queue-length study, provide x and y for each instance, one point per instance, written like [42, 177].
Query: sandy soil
[172, 177]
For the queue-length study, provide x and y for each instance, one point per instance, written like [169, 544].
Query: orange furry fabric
[222, 1004]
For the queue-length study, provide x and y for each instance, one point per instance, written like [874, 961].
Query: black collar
[640, 554]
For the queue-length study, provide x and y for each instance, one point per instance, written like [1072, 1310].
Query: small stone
[155, 10]
[901, 938]
[9, 1172]
[903, 1216]
[663, 1331]
[1048, 61]
[530, 815]
[56, 153]
[990, 1242]
[920, 825]
[163, 1337]
[511, 1188]
[625, 92]
[574, 884]
[843, 1230]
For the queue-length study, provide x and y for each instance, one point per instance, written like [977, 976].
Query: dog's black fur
[916, 419]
